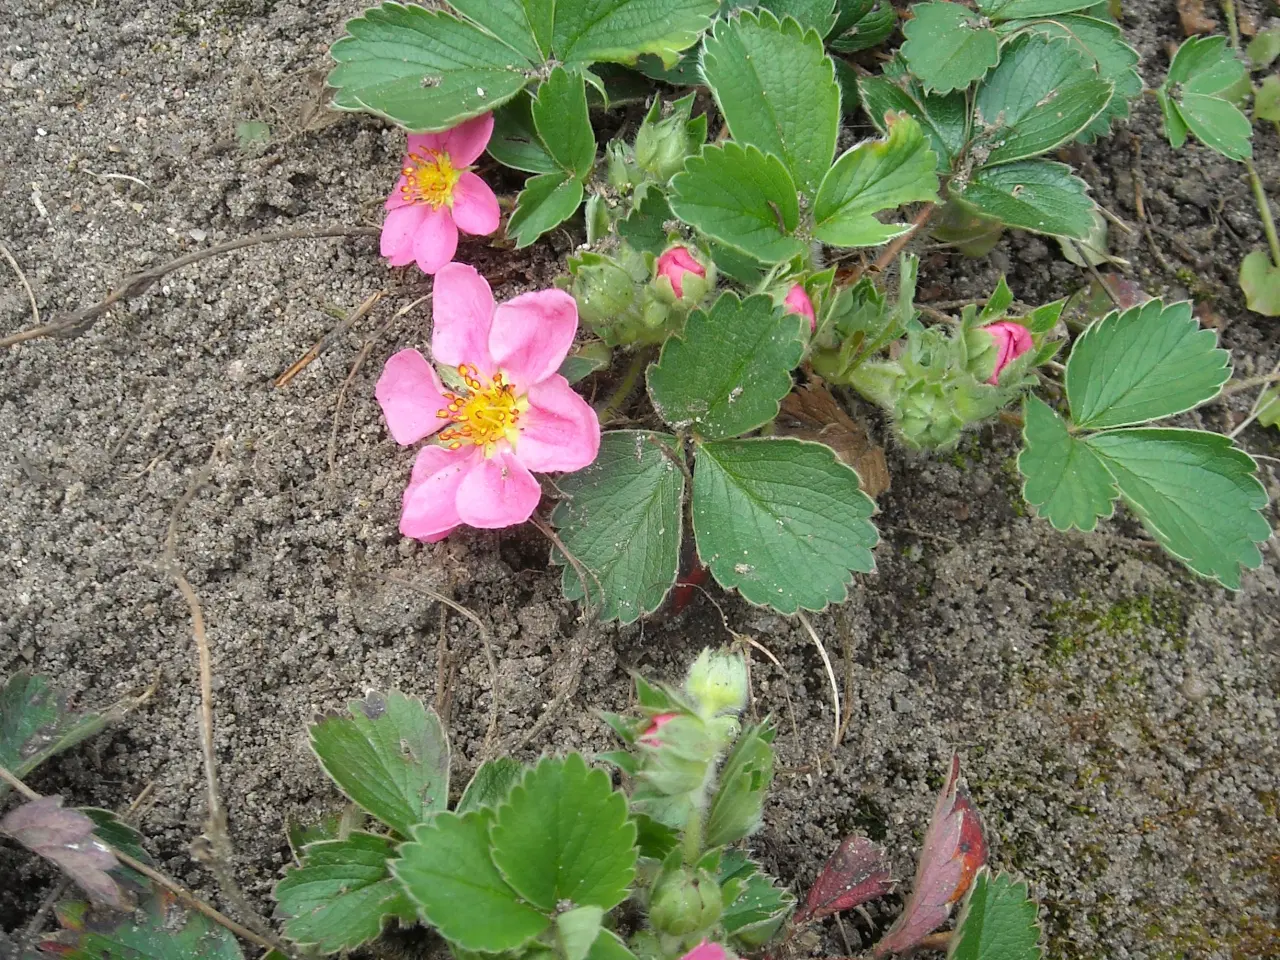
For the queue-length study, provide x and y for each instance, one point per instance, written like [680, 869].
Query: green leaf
[563, 835]
[777, 89]
[1266, 103]
[425, 69]
[1065, 481]
[948, 46]
[729, 369]
[1260, 281]
[1040, 96]
[998, 922]
[1269, 408]
[109, 828]
[738, 805]
[872, 23]
[1147, 363]
[1217, 124]
[944, 118]
[875, 175]
[1175, 128]
[577, 930]
[817, 15]
[1195, 493]
[157, 930]
[448, 872]
[782, 521]
[1209, 60]
[342, 894]
[546, 201]
[757, 912]
[36, 723]
[609, 946]
[1264, 48]
[1016, 9]
[619, 31]
[391, 756]
[1201, 82]
[1036, 195]
[515, 142]
[563, 123]
[645, 226]
[586, 360]
[490, 785]
[524, 24]
[621, 520]
[741, 197]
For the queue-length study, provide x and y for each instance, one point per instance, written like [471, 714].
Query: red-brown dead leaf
[810, 412]
[855, 874]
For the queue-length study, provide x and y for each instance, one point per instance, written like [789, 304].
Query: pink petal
[465, 142]
[398, 231]
[396, 200]
[532, 334]
[706, 951]
[430, 512]
[411, 395]
[559, 431]
[498, 492]
[475, 208]
[436, 241]
[420, 143]
[461, 315]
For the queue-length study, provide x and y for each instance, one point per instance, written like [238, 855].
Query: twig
[895, 246]
[328, 340]
[831, 676]
[156, 876]
[1256, 409]
[22, 279]
[78, 323]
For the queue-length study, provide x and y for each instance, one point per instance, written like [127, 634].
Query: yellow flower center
[430, 177]
[485, 415]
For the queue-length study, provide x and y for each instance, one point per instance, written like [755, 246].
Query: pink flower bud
[706, 951]
[675, 263]
[650, 737]
[1012, 341]
[798, 301]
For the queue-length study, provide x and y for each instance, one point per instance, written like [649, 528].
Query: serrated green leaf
[1025, 9]
[619, 31]
[523, 24]
[515, 142]
[1146, 363]
[944, 118]
[1260, 281]
[737, 807]
[868, 24]
[1064, 479]
[560, 116]
[948, 46]
[782, 521]
[757, 912]
[1266, 102]
[448, 872]
[1040, 96]
[577, 930]
[563, 835]
[645, 226]
[342, 894]
[1269, 408]
[425, 69]
[727, 372]
[490, 784]
[1198, 90]
[1036, 195]
[36, 723]
[391, 756]
[1195, 493]
[777, 89]
[873, 176]
[546, 201]
[157, 930]
[817, 15]
[109, 828]
[998, 922]
[741, 197]
[621, 520]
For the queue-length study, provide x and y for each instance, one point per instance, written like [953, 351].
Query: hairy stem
[619, 397]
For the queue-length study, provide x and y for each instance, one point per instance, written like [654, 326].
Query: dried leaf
[1194, 19]
[954, 850]
[810, 412]
[855, 874]
[66, 837]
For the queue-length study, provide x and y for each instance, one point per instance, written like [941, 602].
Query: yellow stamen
[430, 177]
[485, 415]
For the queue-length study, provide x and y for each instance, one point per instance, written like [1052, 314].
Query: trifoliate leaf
[948, 45]
[1040, 96]
[563, 835]
[1015, 9]
[817, 15]
[782, 521]
[391, 756]
[515, 142]
[621, 519]
[998, 922]
[158, 930]
[342, 893]
[560, 116]
[862, 24]
[67, 837]
[545, 202]
[875, 175]
[448, 872]
[36, 723]
[737, 808]
[1146, 363]
[1195, 493]
[1036, 195]
[741, 197]
[1065, 481]
[945, 118]
[1198, 89]
[777, 89]
[1260, 281]
[727, 372]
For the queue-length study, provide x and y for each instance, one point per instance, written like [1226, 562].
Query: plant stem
[1264, 209]
[1233, 27]
[639, 360]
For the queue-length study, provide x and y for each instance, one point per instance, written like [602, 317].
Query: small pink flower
[1012, 341]
[516, 414]
[437, 195]
[798, 301]
[675, 263]
[706, 951]
[650, 737]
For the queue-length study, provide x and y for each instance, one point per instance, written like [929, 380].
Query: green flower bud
[685, 901]
[926, 417]
[662, 145]
[620, 168]
[605, 292]
[718, 682]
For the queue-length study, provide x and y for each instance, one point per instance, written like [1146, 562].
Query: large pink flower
[1012, 341]
[437, 195]
[515, 415]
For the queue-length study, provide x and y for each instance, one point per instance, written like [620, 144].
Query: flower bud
[926, 417]
[650, 737]
[1012, 340]
[662, 146]
[685, 901]
[797, 301]
[718, 682]
[619, 166]
[676, 264]
[603, 289]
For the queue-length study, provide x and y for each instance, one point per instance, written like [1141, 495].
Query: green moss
[1076, 620]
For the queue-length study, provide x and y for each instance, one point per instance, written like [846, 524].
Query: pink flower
[516, 414]
[437, 195]
[675, 263]
[706, 951]
[798, 301]
[1012, 341]
[650, 737]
